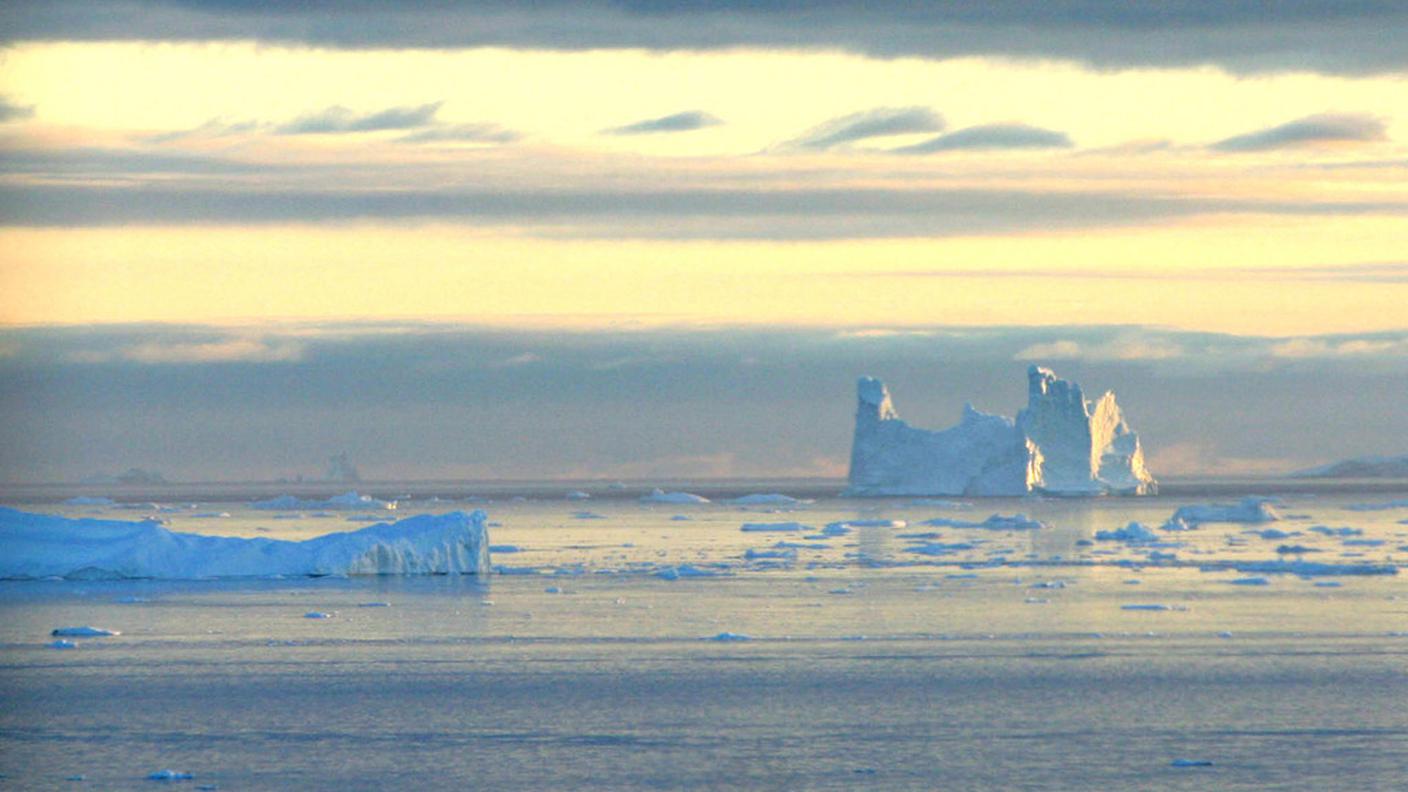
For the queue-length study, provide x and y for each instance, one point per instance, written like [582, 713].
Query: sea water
[645, 647]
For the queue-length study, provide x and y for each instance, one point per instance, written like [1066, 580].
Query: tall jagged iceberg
[1060, 444]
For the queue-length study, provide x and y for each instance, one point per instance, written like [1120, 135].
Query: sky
[648, 238]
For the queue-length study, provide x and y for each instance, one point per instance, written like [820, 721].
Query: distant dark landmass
[129, 477]
[1360, 467]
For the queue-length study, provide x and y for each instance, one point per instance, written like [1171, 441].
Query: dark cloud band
[1344, 36]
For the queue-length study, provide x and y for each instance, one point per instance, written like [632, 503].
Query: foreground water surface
[629, 646]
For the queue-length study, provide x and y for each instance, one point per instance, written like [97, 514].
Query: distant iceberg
[660, 496]
[41, 545]
[1060, 444]
[347, 501]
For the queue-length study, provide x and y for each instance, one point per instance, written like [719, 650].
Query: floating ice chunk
[1191, 763]
[680, 518]
[785, 554]
[1363, 542]
[1146, 607]
[1311, 568]
[1275, 533]
[1249, 510]
[1134, 533]
[729, 636]
[1325, 530]
[1384, 506]
[211, 515]
[62, 644]
[345, 501]
[875, 523]
[552, 590]
[1049, 584]
[939, 503]
[775, 527]
[996, 522]
[170, 775]
[684, 571]
[578, 495]
[586, 515]
[660, 496]
[373, 604]
[1328, 584]
[90, 500]
[1250, 581]
[39, 545]
[83, 632]
[317, 615]
[766, 499]
[939, 548]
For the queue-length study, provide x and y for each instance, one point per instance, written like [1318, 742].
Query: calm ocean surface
[629, 646]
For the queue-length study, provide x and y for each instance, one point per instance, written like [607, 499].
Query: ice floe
[1249, 510]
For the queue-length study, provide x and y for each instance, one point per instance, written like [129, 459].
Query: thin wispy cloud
[676, 122]
[992, 136]
[866, 125]
[1322, 129]
[341, 120]
[10, 111]
[463, 133]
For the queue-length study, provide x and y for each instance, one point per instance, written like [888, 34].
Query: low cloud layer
[440, 400]
[1326, 128]
[676, 122]
[682, 214]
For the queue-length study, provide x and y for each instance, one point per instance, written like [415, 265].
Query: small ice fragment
[1224, 634]
[1145, 607]
[1325, 530]
[170, 775]
[62, 644]
[778, 527]
[1250, 581]
[729, 636]
[374, 605]
[317, 615]
[578, 495]
[765, 499]
[1133, 533]
[587, 515]
[83, 632]
[660, 496]
[1191, 763]
[552, 590]
[1328, 584]
[131, 600]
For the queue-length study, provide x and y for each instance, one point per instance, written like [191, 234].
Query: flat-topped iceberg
[1060, 444]
[1248, 510]
[42, 545]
